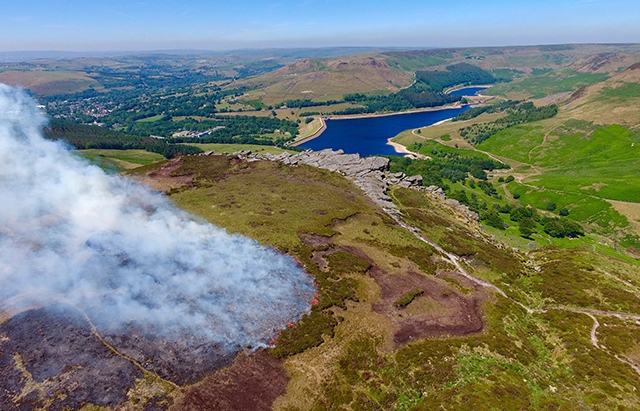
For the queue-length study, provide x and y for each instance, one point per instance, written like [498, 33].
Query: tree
[527, 227]
[564, 211]
[493, 219]
[561, 227]
[551, 206]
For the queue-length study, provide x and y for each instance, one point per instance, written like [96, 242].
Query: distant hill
[387, 72]
[327, 79]
[615, 100]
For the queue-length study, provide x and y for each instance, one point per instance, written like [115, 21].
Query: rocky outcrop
[371, 174]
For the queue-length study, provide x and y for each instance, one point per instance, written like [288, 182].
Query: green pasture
[582, 207]
[120, 160]
[602, 162]
[515, 142]
[150, 119]
[624, 92]
[546, 84]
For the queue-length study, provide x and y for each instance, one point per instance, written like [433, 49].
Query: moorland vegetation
[535, 307]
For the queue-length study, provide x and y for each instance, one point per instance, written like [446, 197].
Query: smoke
[125, 255]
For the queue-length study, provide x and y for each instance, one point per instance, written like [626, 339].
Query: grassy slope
[50, 82]
[233, 148]
[543, 360]
[120, 160]
[328, 79]
[584, 157]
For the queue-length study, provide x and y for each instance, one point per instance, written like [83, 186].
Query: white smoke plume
[125, 255]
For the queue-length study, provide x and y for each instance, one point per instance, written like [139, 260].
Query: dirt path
[594, 329]
[544, 142]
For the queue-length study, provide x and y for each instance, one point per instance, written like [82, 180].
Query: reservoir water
[368, 136]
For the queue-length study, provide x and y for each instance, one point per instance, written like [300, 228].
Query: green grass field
[233, 148]
[600, 161]
[120, 160]
[546, 84]
[150, 119]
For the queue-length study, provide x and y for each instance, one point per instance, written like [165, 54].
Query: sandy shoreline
[400, 149]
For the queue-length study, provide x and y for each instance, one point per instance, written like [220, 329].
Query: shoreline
[451, 90]
[373, 115]
[400, 149]
[321, 130]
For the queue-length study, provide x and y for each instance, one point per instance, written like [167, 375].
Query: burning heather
[126, 256]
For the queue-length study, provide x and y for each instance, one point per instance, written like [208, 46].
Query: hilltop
[322, 80]
[415, 310]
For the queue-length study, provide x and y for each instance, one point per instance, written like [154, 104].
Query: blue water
[467, 91]
[368, 136]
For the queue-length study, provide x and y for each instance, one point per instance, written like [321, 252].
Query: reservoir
[467, 91]
[368, 136]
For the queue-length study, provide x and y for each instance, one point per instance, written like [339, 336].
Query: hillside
[457, 320]
[615, 100]
[584, 159]
[328, 79]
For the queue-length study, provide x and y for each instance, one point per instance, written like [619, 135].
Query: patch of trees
[457, 74]
[450, 165]
[562, 227]
[419, 97]
[520, 114]
[302, 103]
[373, 104]
[88, 136]
[223, 126]
[427, 91]
[492, 108]
[309, 113]
[528, 218]
[405, 99]
[446, 164]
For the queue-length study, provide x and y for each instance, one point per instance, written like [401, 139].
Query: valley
[508, 278]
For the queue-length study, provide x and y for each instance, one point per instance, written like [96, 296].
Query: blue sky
[89, 25]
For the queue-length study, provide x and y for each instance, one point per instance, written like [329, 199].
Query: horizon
[26, 55]
[119, 26]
